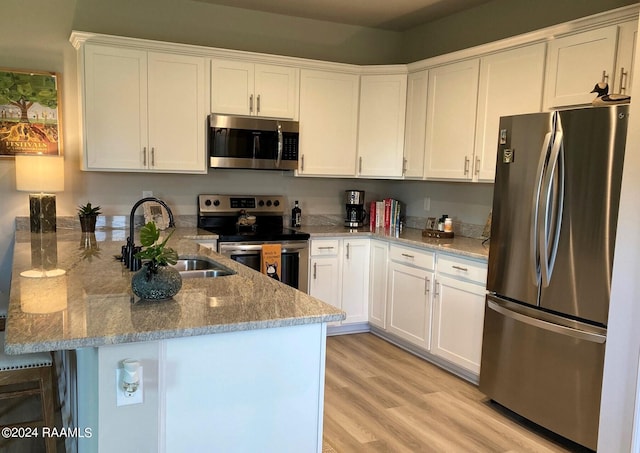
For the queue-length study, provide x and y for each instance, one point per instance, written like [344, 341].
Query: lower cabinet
[410, 281]
[339, 275]
[458, 311]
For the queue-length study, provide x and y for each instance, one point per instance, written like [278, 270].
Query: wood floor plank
[380, 398]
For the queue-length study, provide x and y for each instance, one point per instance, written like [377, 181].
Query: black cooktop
[267, 228]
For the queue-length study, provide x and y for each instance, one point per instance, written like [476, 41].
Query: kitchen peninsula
[235, 362]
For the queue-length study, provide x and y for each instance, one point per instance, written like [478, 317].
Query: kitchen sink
[201, 267]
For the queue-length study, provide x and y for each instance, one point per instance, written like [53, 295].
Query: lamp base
[42, 213]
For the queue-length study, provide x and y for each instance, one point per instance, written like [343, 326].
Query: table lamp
[40, 175]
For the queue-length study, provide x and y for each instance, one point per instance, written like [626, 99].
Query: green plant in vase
[156, 280]
[88, 215]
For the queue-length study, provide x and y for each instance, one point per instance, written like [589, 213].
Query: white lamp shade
[38, 173]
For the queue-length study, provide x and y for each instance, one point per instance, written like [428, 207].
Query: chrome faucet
[129, 250]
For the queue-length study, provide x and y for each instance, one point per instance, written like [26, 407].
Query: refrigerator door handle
[553, 196]
[534, 248]
[562, 330]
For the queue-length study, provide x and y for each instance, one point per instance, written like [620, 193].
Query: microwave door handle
[256, 148]
[279, 158]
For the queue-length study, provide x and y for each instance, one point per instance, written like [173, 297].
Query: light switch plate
[124, 399]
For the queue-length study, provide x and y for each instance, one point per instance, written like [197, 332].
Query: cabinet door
[576, 63]
[355, 280]
[409, 303]
[451, 120]
[232, 84]
[324, 279]
[510, 83]
[381, 126]
[378, 283]
[328, 123]
[416, 124]
[115, 108]
[275, 92]
[627, 37]
[177, 113]
[458, 317]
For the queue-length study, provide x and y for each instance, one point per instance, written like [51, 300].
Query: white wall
[623, 337]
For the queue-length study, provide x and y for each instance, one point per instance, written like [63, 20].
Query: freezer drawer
[549, 373]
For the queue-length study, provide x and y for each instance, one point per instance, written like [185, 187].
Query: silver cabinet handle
[623, 76]
[426, 285]
[466, 165]
[347, 250]
[302, 163]
[144, 156]
[251, 103]
[460, 268]
[477, 165]
[408, 256]
[436, 293]
[404, 166]
[605, 76]
[153, 157]
[326, 248]
[315, 273]
[258, 104]
[360, 166]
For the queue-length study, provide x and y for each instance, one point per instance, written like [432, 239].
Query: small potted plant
[88, 215]
[156, 280]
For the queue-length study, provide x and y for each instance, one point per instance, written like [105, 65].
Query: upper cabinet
[243, 88]
[415, 124]
[142, 111]
[328, 123]
[381, 125]
[577, 62]
[510, 83]
[451, 120]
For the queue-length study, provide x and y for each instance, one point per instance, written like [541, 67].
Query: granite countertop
[468, 247]
[91, 304]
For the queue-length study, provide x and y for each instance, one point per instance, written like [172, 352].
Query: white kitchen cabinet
[379, 251]
[328, 123]
[339, 275]
[409, 294]
[451, 120]
[381, 125]
[627, 38]
[355, 280]
[575, 63]
[245, 88]
[143, 111]
[511, 83]
[458, 311]
[415, 124]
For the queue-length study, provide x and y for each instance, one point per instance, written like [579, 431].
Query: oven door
[294, 259]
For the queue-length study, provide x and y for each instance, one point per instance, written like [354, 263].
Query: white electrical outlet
[147, 193]
[427, 203]
[124, 398]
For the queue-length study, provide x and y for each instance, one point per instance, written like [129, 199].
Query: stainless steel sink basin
[201, 267]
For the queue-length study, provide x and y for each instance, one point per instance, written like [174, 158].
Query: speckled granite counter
[469, 247]
[92, 304]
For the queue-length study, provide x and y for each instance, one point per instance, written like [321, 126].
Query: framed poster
[30, 120]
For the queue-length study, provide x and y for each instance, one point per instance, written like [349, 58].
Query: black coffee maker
[354, 203]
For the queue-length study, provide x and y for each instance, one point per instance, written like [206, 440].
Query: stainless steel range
[244, 223]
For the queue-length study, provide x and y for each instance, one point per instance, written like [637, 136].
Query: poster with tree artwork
[29, 113]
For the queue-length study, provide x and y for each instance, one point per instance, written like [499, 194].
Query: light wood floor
[380, 398]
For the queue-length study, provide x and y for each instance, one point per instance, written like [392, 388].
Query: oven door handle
[246, 249]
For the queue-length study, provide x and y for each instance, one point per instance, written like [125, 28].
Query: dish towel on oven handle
[271, 260]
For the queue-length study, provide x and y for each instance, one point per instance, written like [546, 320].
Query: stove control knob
[276, 203]
[261, 203]
[216, 203]
[268, 203]
[207, 202]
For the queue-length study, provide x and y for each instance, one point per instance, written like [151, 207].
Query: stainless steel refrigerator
[553, 230]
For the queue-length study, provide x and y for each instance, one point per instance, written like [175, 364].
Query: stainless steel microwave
[252, 142]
